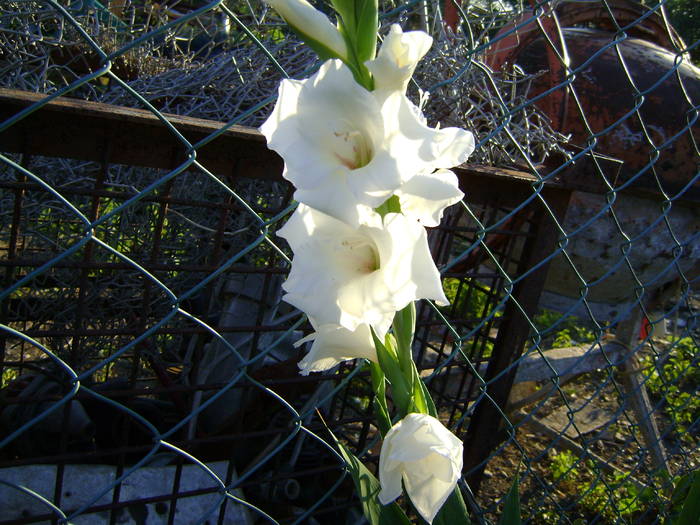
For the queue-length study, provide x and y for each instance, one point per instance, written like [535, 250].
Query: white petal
[420, 148]
[428, 495]
[397, 58]
[333, 344]
[365, 300]
[390, 481]
[429, 456]
[390, 470]
[349, 276]
[287, 97]
[332, 135]
[344, 146]
[423, 273]
[311, 284]
[444, 466]
[453, 146]
[425, 196]
[305, 18]
[339, 193]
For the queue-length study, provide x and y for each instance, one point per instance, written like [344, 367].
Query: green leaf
[381, 410]
[404, 325]
[454, 511]
[511, 508]
[691, 507]
[359, 24]
[420, 403]
[323, 52]
[368, 489]
[430, 405]
[367, 23]
[388, 362]
[391, 205]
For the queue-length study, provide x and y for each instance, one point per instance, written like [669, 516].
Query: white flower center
[352, 148]
[359, 256]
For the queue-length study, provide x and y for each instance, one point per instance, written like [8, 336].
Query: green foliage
[688, 492]
[676, 379]
[612, 496]
[368, 488]
[8, 375]
[562, 463]
[558, 331]
[381, 409]
[468, 298]
[685, 17]
[511, 508]
[454, 511]
[359, 22]
[389, 363]
[391, 205]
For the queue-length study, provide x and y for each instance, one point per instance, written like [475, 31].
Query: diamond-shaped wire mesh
[148, 367]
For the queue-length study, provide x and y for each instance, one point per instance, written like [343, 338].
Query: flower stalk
[379, 404]
[313, 27]
[370, 176]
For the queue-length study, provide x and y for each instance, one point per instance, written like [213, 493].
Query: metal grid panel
[142, 329]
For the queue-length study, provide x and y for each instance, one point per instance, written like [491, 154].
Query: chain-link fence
[148, 367]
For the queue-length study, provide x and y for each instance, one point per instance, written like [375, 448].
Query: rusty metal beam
[71, 128]
[483, 434]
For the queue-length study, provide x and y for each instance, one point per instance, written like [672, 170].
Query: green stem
[391, 205]
[388, 361]
[381, 410]
[404, 325]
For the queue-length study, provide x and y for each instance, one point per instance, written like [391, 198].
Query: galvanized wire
[145, 348]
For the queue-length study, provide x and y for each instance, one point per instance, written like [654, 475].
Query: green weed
[558, 331]
[612, 497]
[675, 378]
[468, 299]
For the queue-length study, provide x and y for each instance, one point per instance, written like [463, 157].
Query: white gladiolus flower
[343, 145]
[426, 196]
[312, 24]
[397, 58]
[427, 456]
[349, 276]
[333, 344]
[427, 148]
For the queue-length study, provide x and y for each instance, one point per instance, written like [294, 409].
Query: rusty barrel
[631, 95]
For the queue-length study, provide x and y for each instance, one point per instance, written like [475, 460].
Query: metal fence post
[483, 433]
[627, 334]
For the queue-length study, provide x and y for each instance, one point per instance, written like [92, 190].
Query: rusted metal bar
[98, 265]
[134, 331]
[483, 433]
[634, 385]
[78, 129]
[122, 195]
[71, 128]
[11, 268]
[86, 457]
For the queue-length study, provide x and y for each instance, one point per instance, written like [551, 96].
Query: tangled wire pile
[207, 69]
